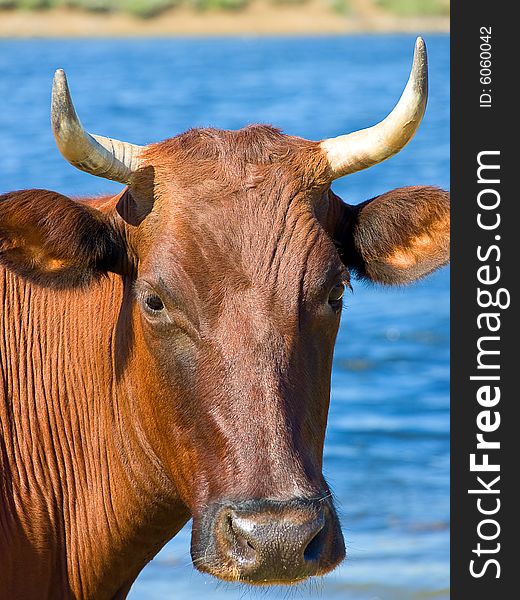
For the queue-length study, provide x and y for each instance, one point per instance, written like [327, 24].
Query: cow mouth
[266, 542]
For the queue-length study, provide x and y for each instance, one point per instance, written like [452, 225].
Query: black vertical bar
[484, 122]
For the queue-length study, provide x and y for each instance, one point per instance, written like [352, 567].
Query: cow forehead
[254, 173]
[253, 144]
[215, 260]
[233, 160]
[240, 208]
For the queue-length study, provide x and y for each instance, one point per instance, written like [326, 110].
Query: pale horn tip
[420, 64]
[64, 119]
[59, 81]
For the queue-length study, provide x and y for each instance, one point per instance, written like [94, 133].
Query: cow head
[236, 254]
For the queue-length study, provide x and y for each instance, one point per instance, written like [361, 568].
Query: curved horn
[94, 154]
[367, 147]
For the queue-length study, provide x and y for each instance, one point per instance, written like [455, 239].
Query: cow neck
[81, 485]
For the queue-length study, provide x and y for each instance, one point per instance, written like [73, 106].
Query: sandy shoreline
[260, 18]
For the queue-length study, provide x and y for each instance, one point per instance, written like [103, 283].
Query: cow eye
[336, 294]
[154, 303]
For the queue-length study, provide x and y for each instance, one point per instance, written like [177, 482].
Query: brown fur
[397, 237]
[118, 423]
[52, 239]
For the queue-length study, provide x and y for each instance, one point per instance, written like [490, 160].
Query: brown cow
[166, 352]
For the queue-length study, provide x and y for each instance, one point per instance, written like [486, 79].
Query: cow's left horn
[367, 147]
[94, 154]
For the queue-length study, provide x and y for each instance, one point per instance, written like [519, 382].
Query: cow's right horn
[94, 154]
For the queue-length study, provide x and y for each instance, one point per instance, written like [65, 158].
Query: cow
[166, 352]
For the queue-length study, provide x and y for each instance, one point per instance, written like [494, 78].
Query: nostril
[241, 530]
[314, 548]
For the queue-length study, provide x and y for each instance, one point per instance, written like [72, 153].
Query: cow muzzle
[268, 541]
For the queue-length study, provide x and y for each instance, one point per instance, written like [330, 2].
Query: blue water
[387, 447]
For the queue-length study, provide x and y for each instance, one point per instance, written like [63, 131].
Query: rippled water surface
[387, 447]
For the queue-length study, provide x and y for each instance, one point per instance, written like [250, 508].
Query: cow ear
[53, 240]
[397, 237]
